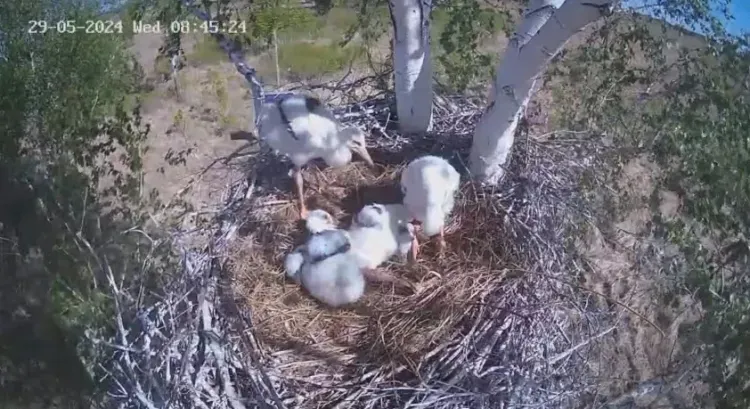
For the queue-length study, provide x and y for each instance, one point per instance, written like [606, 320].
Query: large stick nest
[495, 323]
[472, 333]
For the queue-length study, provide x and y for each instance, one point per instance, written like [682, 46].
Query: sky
[739, 9]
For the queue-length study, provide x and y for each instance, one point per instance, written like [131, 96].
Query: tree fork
[522, 63]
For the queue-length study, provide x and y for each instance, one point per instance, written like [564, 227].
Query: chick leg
[378, 275]
[298, 181]
[414, 250]
[441, 243]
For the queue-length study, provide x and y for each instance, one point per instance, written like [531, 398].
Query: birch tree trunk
[524, 60]
[412, 64]
[534, 16]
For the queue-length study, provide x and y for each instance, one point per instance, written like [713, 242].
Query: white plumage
[333, 263]
[429, 185]
[324, 265]
[315, 133]
[379, 232]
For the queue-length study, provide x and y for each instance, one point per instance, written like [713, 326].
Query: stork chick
[379, 232]
[324, 266]
[302, 128]
[429, 185]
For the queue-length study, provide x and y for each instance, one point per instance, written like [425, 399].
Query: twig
[580, 345]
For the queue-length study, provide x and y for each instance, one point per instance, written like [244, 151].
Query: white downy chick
[324, 265]
[429, 185]
[379, 232]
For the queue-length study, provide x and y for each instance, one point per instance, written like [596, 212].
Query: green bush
[460, 29]
[70, 180]
[688, 108]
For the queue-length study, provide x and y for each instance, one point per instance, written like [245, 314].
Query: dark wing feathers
[312, 103]
[326, 244]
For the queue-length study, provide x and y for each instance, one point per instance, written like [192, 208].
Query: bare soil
[647, 345]
[195, 122]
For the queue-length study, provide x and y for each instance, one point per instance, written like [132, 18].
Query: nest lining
[389, 324]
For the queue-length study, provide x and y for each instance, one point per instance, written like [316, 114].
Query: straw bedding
[389, 324]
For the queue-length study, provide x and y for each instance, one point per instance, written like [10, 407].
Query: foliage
[272, 16]
[372, 22]
[165, 11]
[687, 105]
[705, 140]
[70, 176]
[461, 29]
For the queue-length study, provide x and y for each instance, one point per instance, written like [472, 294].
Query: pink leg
[414, 250]
[441, 243]
[378, 275]
[414, 242]
[298, 181]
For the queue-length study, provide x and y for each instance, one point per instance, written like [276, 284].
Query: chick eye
[379, 209]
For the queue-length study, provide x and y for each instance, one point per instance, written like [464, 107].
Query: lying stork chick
[429, 185]
[324, 266]
[303, 128]
[379, 232]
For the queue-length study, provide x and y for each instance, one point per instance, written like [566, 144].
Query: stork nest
[479, 326]
[389, 325]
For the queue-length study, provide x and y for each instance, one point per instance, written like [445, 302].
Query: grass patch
[218, 83]
[206, 52]
[307, 60]
[291, 24]
[337, 22]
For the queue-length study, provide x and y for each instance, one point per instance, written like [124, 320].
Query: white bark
[534, 16]
[412, 64]
[519, 68]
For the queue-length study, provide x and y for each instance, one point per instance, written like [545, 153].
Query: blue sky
[739, 9]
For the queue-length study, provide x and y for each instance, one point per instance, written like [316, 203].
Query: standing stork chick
[324, 266]
[429, 185]
[302, 128]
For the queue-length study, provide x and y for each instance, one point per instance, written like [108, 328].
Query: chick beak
[362, 152]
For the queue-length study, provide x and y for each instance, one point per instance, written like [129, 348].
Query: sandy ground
[193, 123]
[646, 346]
